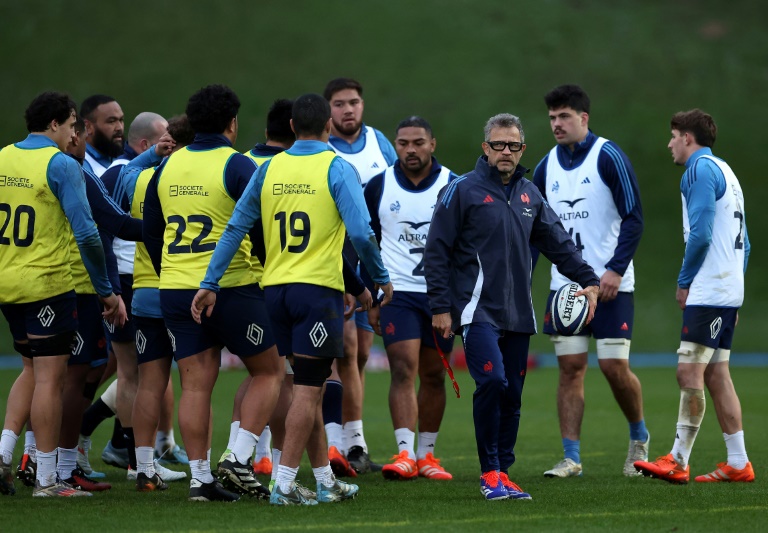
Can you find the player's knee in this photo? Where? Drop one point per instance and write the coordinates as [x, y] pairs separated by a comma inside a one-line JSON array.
[[690, 376], [402, 374], [311, 372], [60, 344]]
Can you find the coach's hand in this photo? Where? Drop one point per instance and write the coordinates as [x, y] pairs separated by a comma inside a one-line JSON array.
[[165, 145], [373, 319], [389, 290], [202, 300], [114, 310], [591, 294], [442, 323], [609, 286]]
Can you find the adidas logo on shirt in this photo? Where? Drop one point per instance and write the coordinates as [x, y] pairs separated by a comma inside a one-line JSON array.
[[585, 180], [488, 199]]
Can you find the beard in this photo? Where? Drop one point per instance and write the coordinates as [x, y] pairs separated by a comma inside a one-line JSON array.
[[106, 145], [347, 130], [416, 165]]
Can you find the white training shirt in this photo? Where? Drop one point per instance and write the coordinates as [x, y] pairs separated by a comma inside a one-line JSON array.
[[586, 208], [720, 280], [405, 216], [370, 160]]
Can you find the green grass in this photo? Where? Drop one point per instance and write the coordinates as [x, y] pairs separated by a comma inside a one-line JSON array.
[[601, 500]]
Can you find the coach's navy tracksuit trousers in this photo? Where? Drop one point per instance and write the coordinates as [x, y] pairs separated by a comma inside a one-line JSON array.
[[497, 361]]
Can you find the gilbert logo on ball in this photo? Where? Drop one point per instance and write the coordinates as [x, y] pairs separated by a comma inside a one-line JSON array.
[[569, 312]]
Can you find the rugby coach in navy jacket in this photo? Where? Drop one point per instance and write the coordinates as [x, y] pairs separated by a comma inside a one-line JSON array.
[[477, 263]]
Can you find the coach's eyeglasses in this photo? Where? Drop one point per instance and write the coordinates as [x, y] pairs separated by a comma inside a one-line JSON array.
[[498, 146]]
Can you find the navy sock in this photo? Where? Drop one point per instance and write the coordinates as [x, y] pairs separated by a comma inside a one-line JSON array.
[[334, 391], [130, 444], [638, 431], [96, 413], [572, 450], [118, 439]]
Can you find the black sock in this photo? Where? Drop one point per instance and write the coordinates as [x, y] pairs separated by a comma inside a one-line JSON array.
[[96, 413], [118, 439], [334, 391], [130, 443]]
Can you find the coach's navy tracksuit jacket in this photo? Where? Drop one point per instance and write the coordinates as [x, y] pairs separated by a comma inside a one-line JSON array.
[[478, 267]]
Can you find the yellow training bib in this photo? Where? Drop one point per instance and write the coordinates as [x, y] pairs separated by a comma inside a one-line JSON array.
[[34, 231], [303, 229], [197, 207]]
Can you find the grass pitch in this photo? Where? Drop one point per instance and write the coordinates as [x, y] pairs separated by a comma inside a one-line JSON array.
[[600, 500]]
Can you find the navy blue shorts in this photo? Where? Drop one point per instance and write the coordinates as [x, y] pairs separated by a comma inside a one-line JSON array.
[[127, 332], [307, 319], [90, 342], [709, 326], [239, 321], [612, 320], [407, 317], [152, 340], [48, 317]]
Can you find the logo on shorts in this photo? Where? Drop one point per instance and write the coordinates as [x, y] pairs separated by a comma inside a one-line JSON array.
[[172, 339], [318, 334], [624, 327], [141, 341], [255, 334], [78, 347], [488, 367], [390, 329], [46, 316], [714, 327], [110, 327]]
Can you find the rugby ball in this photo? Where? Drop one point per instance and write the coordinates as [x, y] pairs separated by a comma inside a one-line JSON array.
[[569, 312]]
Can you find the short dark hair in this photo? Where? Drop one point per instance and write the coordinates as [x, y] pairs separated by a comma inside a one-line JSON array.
[[698, 123], [79, 125], [90, 104], [339, 84], [47, 107], [180, 130], [212, 108], [571, 96], [279, 121], [310, 114], [414, 121]]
